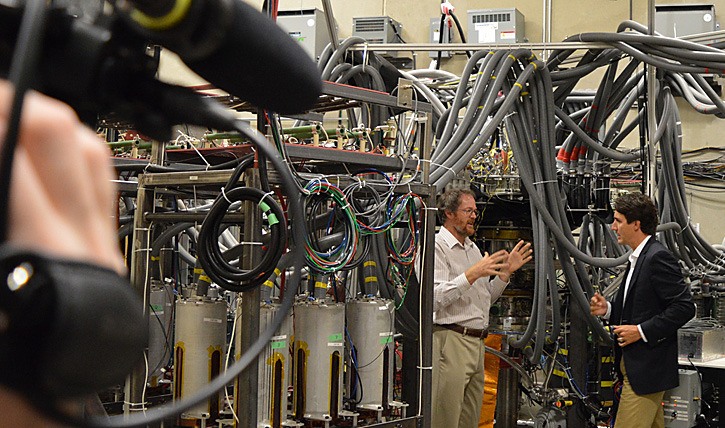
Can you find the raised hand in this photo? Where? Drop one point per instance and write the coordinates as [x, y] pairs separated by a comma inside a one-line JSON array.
[[598, 305], [490, 264], [519, 256]]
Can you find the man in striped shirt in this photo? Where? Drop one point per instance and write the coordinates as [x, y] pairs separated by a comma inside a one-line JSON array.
[[462, 297]]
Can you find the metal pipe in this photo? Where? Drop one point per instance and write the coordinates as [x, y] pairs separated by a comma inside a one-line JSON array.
[[460, 47], [651, 183]]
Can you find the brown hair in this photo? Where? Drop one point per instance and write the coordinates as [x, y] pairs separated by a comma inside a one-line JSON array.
[[636, 206], [450, 200]]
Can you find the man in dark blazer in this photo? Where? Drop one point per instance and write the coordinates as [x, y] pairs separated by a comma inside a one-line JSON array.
[[651, 304]]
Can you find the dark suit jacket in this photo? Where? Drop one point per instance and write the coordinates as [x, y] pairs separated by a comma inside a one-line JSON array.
[[661, 303]]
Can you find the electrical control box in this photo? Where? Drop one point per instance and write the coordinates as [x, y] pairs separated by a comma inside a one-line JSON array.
[[496, 26], [701, 344], [377, 29], [308, 27], [679, 20], [435, 37], [682, 404]]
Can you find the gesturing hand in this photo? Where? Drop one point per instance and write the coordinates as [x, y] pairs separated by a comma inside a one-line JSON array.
[[598, 305], [490, 264], [519, 256]]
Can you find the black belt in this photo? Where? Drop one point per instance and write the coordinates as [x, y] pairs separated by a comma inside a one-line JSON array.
[[466, 331]]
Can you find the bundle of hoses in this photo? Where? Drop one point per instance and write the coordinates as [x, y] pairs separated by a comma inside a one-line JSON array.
[[215, 265], [685, 241]]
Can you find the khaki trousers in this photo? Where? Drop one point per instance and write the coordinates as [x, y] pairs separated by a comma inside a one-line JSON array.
[[457, 386], [639, 411]]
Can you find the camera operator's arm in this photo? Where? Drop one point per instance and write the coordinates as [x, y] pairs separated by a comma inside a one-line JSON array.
[[62, 201]]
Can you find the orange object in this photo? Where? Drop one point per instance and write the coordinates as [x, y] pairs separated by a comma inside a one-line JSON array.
[[490, 388]]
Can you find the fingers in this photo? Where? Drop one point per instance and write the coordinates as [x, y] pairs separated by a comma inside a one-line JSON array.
[[597, 299], [496, 269], [496, 257], [61, 198]]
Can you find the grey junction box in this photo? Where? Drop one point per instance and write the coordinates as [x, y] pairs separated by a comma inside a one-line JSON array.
[[308, 27], [679, 20], [682, 404], [496, 26]]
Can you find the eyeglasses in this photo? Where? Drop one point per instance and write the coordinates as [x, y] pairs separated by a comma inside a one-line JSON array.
[[470, 211]]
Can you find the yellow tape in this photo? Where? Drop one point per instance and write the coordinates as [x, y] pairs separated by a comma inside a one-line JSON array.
[[204, 278], [607, 384], [155, 258], [519, 85], [173, 17], [320, 284], [198, 270], [563, 351], [277, 271], [369, 263], [269, 284], [559, 373], [609, 359], [371, 279]]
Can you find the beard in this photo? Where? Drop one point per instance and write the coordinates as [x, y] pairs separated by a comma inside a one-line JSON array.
[[466, 230]]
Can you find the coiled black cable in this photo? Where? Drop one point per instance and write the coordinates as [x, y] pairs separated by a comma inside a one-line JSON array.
[[211, 257]]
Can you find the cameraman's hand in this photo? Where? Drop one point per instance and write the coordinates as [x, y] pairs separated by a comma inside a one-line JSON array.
[[62, 201]]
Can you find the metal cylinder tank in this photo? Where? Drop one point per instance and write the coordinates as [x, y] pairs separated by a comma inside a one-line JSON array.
[[161, 299], [370, 324], [201, 328], [275, 370], [319, 349]]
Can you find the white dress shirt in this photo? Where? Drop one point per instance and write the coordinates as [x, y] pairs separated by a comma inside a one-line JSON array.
[[455, 301], [632, 263]]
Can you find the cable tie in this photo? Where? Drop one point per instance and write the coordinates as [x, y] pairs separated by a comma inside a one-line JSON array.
[[224, 194], [545, 181], [440, 165], [264, 196], [201, 156], [425, 368], [429, 208], [365, 56], [250, 243]]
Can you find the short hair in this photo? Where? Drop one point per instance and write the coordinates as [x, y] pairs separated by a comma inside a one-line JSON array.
[[450, 200], [636, 206]]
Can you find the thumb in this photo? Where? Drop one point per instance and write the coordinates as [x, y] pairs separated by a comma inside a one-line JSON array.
[[485, 254]]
